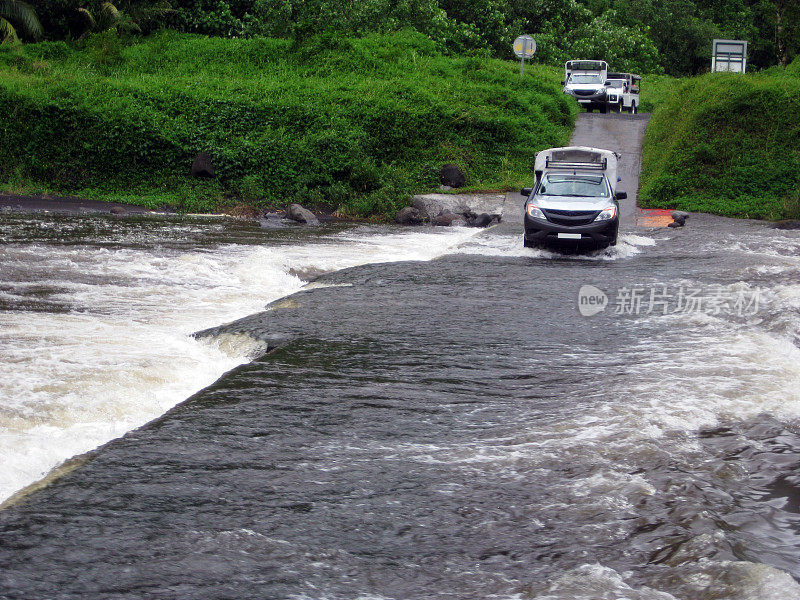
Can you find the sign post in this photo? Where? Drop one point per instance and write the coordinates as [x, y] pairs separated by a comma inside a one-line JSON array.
[[524, 47]]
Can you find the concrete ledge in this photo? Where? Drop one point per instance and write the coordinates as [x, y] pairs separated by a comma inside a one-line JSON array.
[[436, 204]]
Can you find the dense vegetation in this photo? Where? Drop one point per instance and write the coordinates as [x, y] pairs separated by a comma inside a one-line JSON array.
[[648, 36], [355, 124], [727, 144]]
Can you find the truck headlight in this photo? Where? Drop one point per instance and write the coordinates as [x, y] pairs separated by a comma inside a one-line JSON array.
[[535, 212], [607, 214]]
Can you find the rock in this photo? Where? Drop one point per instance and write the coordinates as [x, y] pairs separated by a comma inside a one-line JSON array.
[[445, 219], [409, 215], [117, 210], [787, 225], [676, 224], [295, 212], [452, 176], [680, 216], [445, 188], [202, 166], [458, 222], [271, 221], [482, 220]]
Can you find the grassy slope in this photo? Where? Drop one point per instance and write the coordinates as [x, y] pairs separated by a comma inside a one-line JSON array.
[[727, 144], [356, 124], [656, 89]]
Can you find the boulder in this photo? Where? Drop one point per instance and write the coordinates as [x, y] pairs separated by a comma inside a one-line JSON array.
[[295, 212], [458, 222], [452, 176], [203, 166], [482, 220], [676, 224], [445, 219], [409, 215], [680, 216], [271, 221]]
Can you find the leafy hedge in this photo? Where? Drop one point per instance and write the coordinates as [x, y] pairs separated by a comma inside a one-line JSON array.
[[727, 144], [355, 124]]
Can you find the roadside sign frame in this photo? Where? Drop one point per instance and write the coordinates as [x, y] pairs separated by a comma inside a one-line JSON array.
[[729, 56]]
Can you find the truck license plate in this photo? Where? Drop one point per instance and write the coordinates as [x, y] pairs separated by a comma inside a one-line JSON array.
[[584, 101], [569, 236]]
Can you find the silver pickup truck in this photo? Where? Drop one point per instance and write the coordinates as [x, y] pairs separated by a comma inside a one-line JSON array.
[[575, 198]]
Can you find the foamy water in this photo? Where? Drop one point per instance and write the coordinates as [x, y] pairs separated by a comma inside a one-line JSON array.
[[108, 344], [511, 246]]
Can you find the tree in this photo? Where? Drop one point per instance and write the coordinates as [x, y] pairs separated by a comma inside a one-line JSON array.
[[15, 14], [624, 48]]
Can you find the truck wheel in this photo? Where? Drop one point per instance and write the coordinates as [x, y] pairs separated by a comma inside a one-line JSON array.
[[613, 241], [633, 108], [604, 109]]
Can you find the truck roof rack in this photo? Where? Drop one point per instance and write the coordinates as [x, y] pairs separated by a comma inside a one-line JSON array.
[[576, 164]]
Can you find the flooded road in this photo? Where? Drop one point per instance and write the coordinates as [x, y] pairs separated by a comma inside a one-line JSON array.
[[393, 413], [447, 428]]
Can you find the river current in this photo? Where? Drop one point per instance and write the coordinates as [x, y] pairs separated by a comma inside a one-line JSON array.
[[445, 414]]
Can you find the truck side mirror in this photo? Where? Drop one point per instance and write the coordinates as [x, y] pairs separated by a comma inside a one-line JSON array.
[[526, 192], [635, 89], [621, 195]]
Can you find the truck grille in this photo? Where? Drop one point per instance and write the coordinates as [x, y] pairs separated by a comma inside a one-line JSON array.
[[585, 92], [570, 217]]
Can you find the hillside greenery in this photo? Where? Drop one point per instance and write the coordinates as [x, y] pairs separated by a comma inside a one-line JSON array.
[[727, 144], [645, 36], [354, 124]]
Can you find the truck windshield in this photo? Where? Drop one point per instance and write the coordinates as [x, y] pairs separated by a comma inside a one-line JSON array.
[[584, 79], [581, 186]]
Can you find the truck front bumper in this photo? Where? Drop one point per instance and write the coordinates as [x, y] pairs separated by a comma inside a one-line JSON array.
[[545, 233]]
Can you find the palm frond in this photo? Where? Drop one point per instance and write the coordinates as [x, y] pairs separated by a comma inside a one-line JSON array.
[[7, 32], [109, 16], [146, 13], [88, 19], [23, 15]]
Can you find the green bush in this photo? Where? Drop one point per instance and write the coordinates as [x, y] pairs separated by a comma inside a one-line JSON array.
[[358, 124], [726, 144]]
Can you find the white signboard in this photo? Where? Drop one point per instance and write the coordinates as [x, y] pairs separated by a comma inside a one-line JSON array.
[[729, 56]]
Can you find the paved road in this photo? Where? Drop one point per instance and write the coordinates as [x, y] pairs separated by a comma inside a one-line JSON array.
[[618, 132], [623, 134]]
